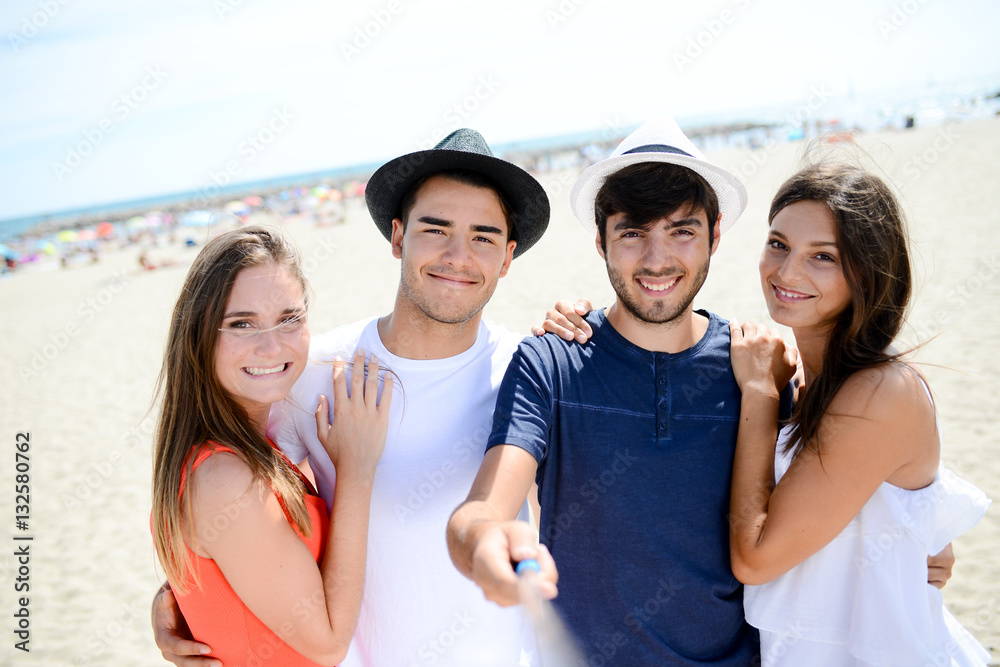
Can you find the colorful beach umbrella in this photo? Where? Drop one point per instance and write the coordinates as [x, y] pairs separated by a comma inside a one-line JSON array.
[[66, 236], [105, 229]]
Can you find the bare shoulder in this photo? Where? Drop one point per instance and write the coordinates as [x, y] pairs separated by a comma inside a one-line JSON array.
[[890, 405], [222, 478], [890, 392]]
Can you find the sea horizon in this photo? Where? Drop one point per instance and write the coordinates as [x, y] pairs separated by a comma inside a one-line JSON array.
[[927, 108]]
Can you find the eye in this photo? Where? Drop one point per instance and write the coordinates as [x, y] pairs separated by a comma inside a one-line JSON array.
[[775, 244], [684, 232], [824, 257], [240, 324], [484, 239]]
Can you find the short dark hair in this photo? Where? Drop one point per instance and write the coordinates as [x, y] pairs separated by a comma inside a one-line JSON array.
[[465, 177], [649, 191]]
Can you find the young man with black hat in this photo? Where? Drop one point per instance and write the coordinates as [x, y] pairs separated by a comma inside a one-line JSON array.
[[456, 217]]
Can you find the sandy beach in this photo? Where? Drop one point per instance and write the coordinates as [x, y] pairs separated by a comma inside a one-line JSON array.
[[82, 348]]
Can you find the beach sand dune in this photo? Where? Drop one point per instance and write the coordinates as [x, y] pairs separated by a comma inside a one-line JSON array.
[[82, 348]]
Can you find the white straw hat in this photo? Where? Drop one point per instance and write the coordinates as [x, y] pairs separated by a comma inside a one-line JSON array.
[[659, 140]]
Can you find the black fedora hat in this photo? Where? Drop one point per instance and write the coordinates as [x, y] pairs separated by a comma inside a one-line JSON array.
[[462, 149]]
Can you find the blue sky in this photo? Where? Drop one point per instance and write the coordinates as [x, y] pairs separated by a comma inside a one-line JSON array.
[[111, 100]]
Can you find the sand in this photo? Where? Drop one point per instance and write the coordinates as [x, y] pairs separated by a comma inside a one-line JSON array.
[[82, 349]]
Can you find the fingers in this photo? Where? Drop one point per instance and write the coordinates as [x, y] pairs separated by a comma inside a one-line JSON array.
[[166, 618], [357, 376], [387, 386], [548, 576], [189, 661], [371, 384], [323, 418], [566, 320], [939, 567], [339, 382]]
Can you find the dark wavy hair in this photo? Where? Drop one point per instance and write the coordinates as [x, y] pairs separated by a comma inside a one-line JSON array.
[[649, 191], [872, 237]]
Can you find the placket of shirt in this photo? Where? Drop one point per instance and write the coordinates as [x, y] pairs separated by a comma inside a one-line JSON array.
[[662, 384]]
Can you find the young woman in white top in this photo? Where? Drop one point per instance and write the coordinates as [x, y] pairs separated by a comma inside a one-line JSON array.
[[834, 516]]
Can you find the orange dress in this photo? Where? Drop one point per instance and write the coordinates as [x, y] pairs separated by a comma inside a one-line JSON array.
[[217, 616]]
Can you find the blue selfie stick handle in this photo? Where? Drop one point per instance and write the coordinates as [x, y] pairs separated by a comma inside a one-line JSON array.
[[527, 564]]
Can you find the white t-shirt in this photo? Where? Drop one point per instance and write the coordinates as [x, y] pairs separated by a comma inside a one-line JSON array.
[[417, 608]]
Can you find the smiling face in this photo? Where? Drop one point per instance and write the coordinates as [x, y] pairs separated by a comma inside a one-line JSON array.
[[264, 339], [801, 271], [454, 250], [657, 272]]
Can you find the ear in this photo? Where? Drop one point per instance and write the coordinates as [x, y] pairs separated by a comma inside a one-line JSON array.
[[716, 235], [397, 238], [600, 250], [507, 259]]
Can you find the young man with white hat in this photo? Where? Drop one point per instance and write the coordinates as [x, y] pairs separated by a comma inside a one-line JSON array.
[[456, 216], [631, 435]]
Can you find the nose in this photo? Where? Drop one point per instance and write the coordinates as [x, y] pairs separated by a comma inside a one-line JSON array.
[[657, 255], [267, 342], [791, 267], [458, 253]]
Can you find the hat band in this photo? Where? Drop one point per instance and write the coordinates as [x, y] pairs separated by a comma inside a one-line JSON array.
[[657, 148]]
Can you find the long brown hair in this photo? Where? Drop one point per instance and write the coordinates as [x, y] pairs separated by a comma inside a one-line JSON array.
[[196, 408], [872, 237]]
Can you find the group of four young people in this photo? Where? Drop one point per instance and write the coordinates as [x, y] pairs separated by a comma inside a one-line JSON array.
[[633, 459]]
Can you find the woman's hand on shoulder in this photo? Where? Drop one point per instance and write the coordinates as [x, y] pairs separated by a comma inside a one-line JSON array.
[[761, 359], [356, 437], [565, 320]]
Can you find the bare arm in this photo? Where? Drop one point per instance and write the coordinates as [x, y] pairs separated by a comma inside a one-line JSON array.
[[483, 537], [313, 609], [879, 427]]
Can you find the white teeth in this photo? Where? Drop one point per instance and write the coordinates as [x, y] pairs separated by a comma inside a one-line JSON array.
[[659, 288], [265, 371], [789, 294]]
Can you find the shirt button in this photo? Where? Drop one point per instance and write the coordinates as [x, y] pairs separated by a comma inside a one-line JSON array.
[[662, 404], [662, 381], [662, 426], [659, 360]]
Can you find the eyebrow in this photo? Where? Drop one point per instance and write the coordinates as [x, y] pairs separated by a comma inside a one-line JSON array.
[[440, 222], [251, 313], [832, 244], [691, 221]]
